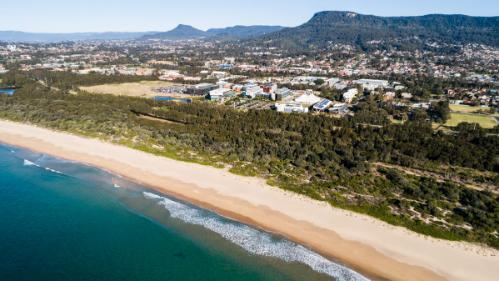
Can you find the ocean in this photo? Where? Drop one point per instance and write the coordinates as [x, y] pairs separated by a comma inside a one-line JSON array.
[[61, 220]]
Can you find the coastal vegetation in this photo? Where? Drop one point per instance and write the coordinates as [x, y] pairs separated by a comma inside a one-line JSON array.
[[362, 163]]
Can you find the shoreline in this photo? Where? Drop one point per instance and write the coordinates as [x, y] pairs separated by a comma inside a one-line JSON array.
[[367, 245]]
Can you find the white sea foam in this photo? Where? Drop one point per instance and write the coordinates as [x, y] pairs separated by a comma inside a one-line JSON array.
[[53, 171], [255, 241], [152, 196], [30, 163]]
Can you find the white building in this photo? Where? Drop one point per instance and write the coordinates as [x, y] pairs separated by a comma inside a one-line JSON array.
[[253, 91], [372, 84], [224, 84], [308, 98], [219, 93], [291, 107], [422, 105], [407, 96], [12, 48], [389, 96], [218, 74], [170, 75], [3, 70], [282, 94], [340, 85], [349, 95], [304, 80], [332, 81]]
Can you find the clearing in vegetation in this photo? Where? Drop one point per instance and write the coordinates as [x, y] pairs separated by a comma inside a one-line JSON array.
[[135, 89], [485, 121]]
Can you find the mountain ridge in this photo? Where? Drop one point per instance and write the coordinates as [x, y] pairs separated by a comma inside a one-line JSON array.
[[183, 32], [32, 37], [319, 32], [350, 27]]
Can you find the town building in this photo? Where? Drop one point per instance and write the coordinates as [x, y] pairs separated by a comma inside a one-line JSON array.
[[308, 98], [291, 108], [349, 95], [219, 94], [323, 105], [372, 84], [201, 89], [282, 93], [252, 91]]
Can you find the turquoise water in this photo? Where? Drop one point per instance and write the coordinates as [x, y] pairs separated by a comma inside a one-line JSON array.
[[9, 92], [164, 98], [61, 220]]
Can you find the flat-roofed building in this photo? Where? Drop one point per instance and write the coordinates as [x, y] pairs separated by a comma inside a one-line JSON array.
[[372, 84], [323, 105], [253, 91], [219, 94], [332, 81], [291, 108], [282, 93]]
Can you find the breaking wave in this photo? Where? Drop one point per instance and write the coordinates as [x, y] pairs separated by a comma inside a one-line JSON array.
[[30, 163], [53, 171], [255, 241]]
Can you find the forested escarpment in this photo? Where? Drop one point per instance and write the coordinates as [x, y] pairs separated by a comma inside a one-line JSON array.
[[335, 160], [401, 32]]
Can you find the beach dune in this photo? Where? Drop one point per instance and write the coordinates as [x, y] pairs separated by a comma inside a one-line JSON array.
[[372, 247]]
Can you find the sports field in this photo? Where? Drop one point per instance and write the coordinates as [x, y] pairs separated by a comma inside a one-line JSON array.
[[467, 109], [485, 121]]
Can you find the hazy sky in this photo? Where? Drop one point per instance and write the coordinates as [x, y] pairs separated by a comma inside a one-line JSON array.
[[159, 15]]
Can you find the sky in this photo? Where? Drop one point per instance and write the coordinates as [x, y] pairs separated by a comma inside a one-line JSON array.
[[161, 15]]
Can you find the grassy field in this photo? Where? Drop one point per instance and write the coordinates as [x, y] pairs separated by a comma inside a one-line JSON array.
[[396, 121], [483, 120], [467, 109], [136, 89]]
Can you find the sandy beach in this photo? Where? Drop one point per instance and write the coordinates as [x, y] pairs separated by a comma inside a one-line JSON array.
[[372, 247]]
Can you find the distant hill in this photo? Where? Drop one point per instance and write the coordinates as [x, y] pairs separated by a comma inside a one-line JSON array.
[[241, 31], [319, 32], [349, 27], [183, 32], [18, 36]]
